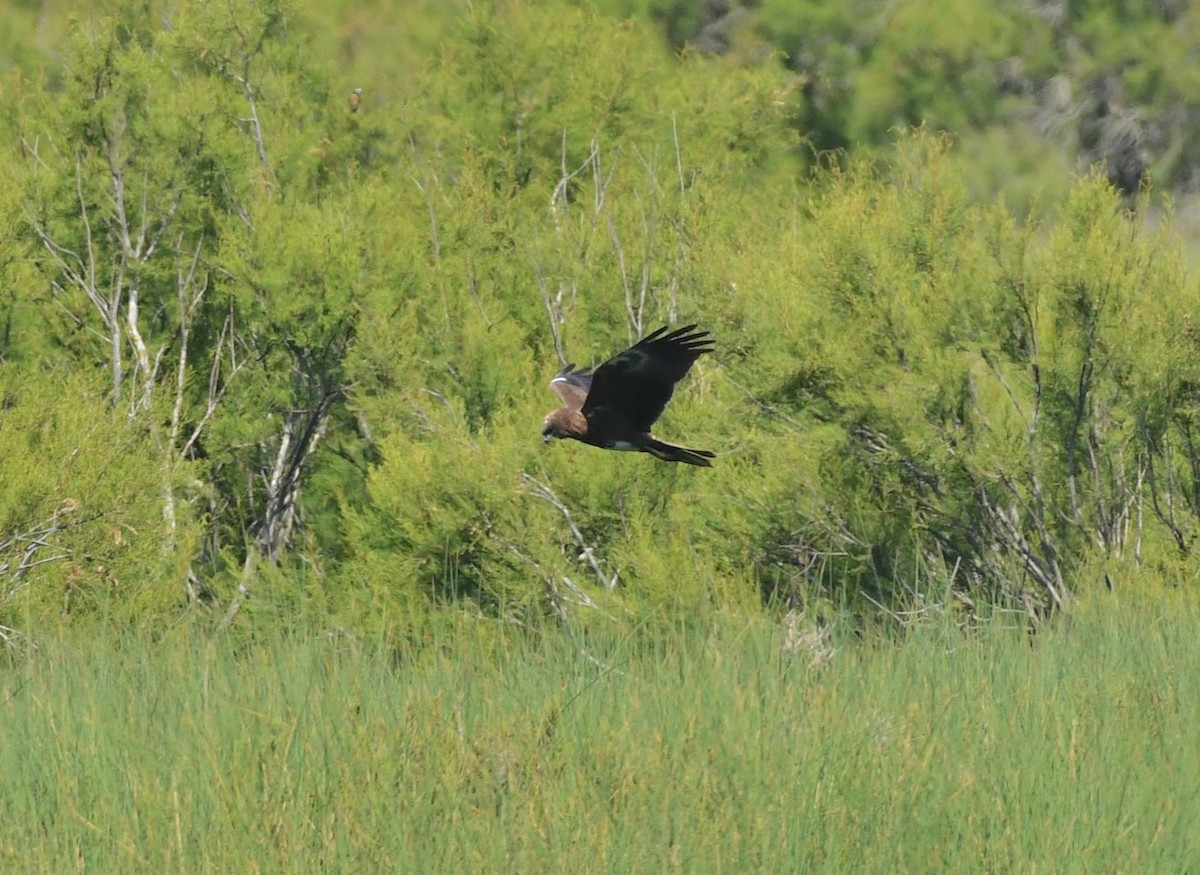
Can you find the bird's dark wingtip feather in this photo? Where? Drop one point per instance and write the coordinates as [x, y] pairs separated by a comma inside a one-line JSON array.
[[686, 336], [569, 370]]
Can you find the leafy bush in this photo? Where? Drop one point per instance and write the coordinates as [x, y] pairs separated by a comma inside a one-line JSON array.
[[83, 531], [316, 341]]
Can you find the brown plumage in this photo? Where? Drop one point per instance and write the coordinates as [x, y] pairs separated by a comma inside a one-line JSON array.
[[614, 406]]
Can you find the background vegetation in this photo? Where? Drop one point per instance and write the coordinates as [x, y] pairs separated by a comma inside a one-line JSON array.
[[289, 582], [255, 343], [696, 751]]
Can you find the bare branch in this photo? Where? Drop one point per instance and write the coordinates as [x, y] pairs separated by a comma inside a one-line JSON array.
[[433, 225], [678, 153], [559, 202], [545, 493]]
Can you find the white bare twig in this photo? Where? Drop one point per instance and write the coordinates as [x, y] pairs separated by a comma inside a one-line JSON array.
[[544, 492]]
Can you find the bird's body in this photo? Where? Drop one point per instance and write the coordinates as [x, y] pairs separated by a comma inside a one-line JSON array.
[[615, 406]]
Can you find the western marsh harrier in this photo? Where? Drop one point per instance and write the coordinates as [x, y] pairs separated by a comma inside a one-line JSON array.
[[614, 406]]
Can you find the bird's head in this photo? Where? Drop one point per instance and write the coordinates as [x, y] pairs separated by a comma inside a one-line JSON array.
[[564, 423]]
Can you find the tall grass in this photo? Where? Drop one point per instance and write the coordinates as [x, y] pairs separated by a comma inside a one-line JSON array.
[[712, 751]]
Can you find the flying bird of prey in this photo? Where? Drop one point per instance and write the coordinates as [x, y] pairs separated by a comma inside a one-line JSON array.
[[614, 406]]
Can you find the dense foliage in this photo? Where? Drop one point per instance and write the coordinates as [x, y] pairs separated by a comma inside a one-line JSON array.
[[1027, 87], [254, 341]]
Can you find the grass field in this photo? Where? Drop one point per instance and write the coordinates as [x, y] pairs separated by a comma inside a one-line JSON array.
[[714, 751]]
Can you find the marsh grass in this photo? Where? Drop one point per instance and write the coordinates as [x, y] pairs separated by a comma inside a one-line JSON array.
[[712, 751]]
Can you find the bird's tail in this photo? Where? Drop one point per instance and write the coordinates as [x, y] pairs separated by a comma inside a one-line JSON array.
[[674, 453]]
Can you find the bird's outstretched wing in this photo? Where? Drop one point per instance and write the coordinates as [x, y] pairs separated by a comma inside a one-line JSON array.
[[639, 382], [572, 385]]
